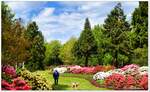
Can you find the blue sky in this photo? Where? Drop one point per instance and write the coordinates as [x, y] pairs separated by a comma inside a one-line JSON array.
[[62, 20]]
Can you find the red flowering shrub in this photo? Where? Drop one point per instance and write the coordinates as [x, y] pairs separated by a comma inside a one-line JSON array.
[[98, 68], [119, 81], [115, 81], [17, 84], [130, 82], [144, 82]]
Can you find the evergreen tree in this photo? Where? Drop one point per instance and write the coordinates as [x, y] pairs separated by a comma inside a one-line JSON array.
[[139, 36], [37, 48], [115, 27], [140, 24], [86, 44]]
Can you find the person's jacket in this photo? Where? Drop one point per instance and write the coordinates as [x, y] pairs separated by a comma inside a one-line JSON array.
[[56, 74]]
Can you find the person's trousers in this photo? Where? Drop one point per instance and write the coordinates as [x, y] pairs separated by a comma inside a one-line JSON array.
[[56, 81]]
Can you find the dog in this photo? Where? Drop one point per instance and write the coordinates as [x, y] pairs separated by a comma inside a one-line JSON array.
[[75, 85]]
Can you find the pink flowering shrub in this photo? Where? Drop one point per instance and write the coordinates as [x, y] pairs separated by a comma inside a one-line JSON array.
[[17, 84], [88, 70], [131, 66], [9, 70]]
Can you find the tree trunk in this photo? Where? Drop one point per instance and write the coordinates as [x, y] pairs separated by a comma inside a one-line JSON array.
[[116, 62], [86, 61]]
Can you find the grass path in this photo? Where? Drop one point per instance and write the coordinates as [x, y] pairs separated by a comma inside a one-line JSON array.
[[65, 82]]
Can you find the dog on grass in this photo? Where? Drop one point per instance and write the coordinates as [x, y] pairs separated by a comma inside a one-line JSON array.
[[75, 85]]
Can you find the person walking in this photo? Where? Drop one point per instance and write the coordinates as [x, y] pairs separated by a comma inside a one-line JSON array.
[[56, 76]]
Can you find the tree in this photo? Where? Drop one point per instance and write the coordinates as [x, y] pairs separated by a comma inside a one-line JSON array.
[[115, 27], [86, 44], [52, 53], [66, 52], [103, 43], [140, 24], [14, 43], [37, 48], [139, 35]]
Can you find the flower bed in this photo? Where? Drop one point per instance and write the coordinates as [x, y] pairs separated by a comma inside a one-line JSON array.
[[128, 77], [88, 70]]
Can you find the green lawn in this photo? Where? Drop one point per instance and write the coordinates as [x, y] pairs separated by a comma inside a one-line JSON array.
[[65, 81]]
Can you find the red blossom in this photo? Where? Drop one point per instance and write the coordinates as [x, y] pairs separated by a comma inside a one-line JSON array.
[[144, 82]]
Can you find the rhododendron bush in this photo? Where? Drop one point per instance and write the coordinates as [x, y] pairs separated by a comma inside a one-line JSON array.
[[10, 80], [9, 70], [88, 70], [128, 77], [119, 81], [17, 84]]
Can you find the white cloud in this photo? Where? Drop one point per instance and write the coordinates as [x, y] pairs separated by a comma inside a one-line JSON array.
[[47, 11], [23, 9], [65, 25], [70, 21]]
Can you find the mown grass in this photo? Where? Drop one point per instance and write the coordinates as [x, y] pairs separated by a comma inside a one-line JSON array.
[[66, 80]]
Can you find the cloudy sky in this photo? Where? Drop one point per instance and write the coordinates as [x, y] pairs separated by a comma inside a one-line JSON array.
[[61, 20]]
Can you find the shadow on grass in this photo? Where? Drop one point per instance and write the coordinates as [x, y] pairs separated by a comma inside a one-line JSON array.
[[59, 87]]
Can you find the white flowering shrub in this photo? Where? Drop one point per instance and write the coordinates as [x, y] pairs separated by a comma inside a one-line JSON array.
[[100, 75], [61, 69], [143, 70]]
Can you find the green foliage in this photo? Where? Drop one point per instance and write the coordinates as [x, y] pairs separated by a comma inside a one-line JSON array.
[[122, 59], [140, 34], [35, 80], [100, 81], [86, 44], [6, 77], [14, 42], [66, 51], [140, 56], [140, 24], [93, 60], [103, 43], [52, 53], [37, 48], [107, 59], [115, 27]]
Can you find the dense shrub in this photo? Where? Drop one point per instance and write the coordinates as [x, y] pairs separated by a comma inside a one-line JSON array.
[[9, 70], [17, 84], [11, 81], [144, 81], [119, 81], [36, 81], [88, 70], [115, 81]]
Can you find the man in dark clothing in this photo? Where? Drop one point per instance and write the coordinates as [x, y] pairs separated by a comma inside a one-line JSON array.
[[56, 76]]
